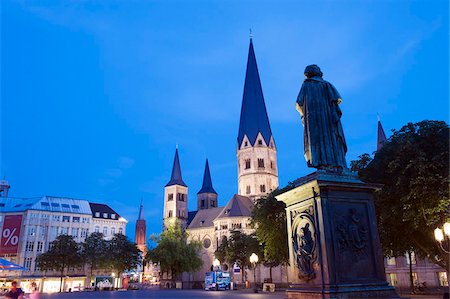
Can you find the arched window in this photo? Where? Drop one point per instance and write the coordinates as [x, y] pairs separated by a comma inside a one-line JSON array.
[[170, 213]]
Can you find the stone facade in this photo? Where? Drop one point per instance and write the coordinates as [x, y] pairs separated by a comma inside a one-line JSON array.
[[257, 168]]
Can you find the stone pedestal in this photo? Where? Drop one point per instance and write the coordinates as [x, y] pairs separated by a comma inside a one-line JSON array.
[[334, 249]]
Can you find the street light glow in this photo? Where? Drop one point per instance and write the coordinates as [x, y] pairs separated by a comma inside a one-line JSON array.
[[447, 229], [216, 263], [438, 235], [253, 258]]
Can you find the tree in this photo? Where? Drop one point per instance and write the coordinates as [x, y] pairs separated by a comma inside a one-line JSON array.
[[94, 251], [413, 166], [122, 254], [62, 254], [173, 252], [237, 249], [269, 221]]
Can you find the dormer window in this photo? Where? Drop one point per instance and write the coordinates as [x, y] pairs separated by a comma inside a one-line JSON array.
[[113, 216], [247, 163], [97, 214], [260, 142], [105, 215]]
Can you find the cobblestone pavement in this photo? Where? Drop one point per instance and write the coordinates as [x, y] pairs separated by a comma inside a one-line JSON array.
[[167, 294]]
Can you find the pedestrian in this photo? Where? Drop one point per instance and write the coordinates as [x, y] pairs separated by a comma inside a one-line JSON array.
[[14, 292], [34, 291]]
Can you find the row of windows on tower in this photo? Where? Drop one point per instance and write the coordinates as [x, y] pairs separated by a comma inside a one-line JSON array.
[[262, 189], [248, 164], [203, 202], [181, 214], [180, 197], [260, 142]]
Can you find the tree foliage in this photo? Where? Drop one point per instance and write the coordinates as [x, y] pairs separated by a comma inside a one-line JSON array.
[[62, 254], [269, 221], [122, 254], [95, 252], [413, 167], [238, 248], [174, 253]]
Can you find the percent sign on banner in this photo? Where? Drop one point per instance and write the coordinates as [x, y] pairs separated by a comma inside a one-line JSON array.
[[10, 234]]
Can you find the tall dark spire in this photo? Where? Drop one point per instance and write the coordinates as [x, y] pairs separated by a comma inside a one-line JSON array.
[[207, 186], [254, 117], [141, 212], [176, 178], [381, 138]]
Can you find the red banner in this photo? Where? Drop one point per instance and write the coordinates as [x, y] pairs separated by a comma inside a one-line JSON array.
[[10, 234]]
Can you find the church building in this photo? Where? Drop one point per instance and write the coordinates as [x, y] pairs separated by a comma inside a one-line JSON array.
[[257, 176]]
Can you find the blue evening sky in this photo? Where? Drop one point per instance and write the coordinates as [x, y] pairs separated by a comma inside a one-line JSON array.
[[95, 95]]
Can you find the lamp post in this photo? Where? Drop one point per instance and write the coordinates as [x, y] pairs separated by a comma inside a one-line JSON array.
[[114, 280], [254, 261], [216, 265], [439, 236]]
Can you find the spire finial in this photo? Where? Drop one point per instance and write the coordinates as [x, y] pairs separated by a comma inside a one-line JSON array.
[[251, 34], [378, 116]]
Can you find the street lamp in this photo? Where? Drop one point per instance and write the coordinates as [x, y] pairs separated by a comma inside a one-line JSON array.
[[114, 279], [254, 260], [439, 236], [216, 265]]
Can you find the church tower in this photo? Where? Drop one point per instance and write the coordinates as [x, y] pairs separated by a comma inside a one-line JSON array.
[[381, 137], [175, 196], [207, 196], [141, 230], [256, 151]]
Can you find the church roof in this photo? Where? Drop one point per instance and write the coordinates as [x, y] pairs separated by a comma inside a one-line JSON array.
[[141, 212], [207, 186], [191, 216], [254, 117], [204, 218], [237, 206], [176, 178], [381, 138]]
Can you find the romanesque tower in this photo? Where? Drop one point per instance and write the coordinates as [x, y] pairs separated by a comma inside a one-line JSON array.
[[141, 229], [175, 196], [207, 196], [256, 151]]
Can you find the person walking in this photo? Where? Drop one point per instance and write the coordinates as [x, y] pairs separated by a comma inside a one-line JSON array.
[[14, 292]]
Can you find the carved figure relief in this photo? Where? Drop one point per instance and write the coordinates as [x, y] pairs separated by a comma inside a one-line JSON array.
[[304, 243], [352, 234]]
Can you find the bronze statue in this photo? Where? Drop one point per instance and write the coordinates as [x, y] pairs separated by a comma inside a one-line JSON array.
[[317, 103]]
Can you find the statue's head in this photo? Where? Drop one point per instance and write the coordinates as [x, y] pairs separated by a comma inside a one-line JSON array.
[[313, 71]]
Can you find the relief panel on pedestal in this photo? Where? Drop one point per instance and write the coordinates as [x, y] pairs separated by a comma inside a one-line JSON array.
[[353, 249], [304, 242]]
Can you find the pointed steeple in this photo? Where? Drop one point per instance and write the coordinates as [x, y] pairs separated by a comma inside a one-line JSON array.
[[254, 117], [207, 186], [381, 138], [141, 212], [176, 178]]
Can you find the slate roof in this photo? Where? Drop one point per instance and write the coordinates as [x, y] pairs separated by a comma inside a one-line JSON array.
[[207, 186], [204, 218], [381, 138], [176, 178], [45, 203], [141, 212], [191, 216], [254, 117], [102, 208], [237, 206]]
